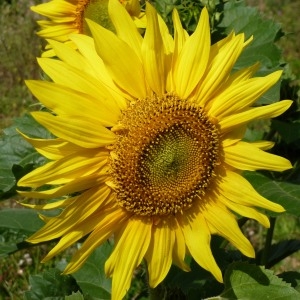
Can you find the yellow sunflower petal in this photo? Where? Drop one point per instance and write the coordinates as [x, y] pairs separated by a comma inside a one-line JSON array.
[[237, 97], [268, 111], [245, 156], [225, 225], [77, 185], [153, 53], [196, 232], [66, 169], [236, 188], [106, 223], [130, 249], [54, 9], [52, 149], [220, 68], [162, 242], [78, 131], [48, 206], [70, 56], [97, 68], [125, 27], [57, 32], [73, 101], [81, 207], [121, 61], [192, 60], [246, 211], [179, 249]]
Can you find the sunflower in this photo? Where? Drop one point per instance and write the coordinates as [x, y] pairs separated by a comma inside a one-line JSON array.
[[148, 146], [66, 17]]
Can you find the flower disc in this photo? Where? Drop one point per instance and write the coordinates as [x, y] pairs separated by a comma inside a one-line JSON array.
[[165, 156]]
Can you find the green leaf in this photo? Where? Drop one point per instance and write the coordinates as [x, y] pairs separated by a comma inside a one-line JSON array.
[[91, 278], [293, 278], [15, 226], [246, 281], [245, 19], [279, 251], [50, 285], [75, 296], [20, 219], [15, 151], [283, 193]]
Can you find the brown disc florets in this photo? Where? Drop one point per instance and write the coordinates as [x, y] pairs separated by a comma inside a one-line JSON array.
[[164, 157]]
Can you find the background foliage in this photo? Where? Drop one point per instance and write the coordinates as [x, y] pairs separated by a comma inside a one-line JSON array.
[[22, 275]]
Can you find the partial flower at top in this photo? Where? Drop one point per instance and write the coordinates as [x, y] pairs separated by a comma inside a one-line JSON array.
[[66, 17], [148, 146]]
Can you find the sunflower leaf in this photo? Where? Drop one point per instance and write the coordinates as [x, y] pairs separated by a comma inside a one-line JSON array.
[[18, 156], [246, 281], [15, 226], [91, 278], [75, 296], [284, 193], [244, 19], [50, 285], [293, 278]]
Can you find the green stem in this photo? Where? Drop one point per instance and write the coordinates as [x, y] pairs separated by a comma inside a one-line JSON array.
[[269, 238]]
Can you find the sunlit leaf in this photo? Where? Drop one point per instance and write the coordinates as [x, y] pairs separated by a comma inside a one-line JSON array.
[[283, 193], [246, 281]]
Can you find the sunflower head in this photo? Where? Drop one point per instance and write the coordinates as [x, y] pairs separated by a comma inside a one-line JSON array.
[[149, 144]]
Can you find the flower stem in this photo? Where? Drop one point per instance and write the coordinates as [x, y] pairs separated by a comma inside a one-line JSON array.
[[269, 238]]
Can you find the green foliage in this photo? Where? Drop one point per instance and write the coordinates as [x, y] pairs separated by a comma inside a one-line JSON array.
[[246, 281], [18, 157], [284, 193], [50, 285], [20, 222]]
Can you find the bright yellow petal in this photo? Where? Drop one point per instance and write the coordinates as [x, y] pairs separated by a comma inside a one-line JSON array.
[[104, 224], [66, 169], [121, 61], [192, 60], [129, 253], [55, 9], [81, 207], [224, 224], [52, 149], [246, 211], [197, 237], [269, 111], [76, 185], [153, 53], [236, 188], [97, 68], [63, 100], [244, 94], [245, 156], [159, 254], [220, 68], [125, 27], [179, 249], [58, 32], [83, 132]]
